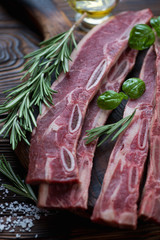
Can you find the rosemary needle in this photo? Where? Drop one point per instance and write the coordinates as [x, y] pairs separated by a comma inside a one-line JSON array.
[[52, 57], [109, 130], [20, 187]]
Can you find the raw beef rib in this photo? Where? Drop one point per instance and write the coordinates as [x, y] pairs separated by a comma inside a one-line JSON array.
[[150, 203], [76, 195], [53, 145], [117, 203]]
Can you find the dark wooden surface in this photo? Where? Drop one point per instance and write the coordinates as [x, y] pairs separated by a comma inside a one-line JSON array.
[[20, 31]]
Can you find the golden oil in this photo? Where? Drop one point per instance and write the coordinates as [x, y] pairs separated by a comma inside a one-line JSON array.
[[93, 8]]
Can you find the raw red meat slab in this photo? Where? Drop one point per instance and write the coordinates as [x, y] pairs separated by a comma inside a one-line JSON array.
[[53, 144], [76, 195], [150, 203], [117, 203]]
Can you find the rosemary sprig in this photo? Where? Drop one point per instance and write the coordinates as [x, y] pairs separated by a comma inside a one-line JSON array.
[[53, 57], [109, 129], [20, 187]]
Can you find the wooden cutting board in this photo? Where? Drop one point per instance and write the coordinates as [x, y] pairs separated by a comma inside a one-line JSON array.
[[50, 22]]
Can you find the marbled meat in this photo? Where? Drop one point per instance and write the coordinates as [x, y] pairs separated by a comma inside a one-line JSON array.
[[76, 195], [53, 145], [117, 202], [150, 203]]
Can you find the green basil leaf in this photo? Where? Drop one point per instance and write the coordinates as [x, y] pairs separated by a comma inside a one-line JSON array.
[[141, 37], [110, 99], [134, 87], [155, 23]]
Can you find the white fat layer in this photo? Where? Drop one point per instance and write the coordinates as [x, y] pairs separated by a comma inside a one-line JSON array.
[[108, 215], [128, 111], [44, 110], [128, 218], [115, 193], [69, 169], [79, 120], [100, 118], [43, 192], [34, 132], [48, 168], [101, 68], [145, 138], [114, 76], [108, 176], [131, 185], [52, 127]]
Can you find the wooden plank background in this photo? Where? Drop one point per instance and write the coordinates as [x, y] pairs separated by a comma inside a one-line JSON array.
[[19, 36]]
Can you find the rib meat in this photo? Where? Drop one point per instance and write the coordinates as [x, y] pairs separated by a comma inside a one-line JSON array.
[[53, 144], [117, 203], [150, 203], [76, 195]]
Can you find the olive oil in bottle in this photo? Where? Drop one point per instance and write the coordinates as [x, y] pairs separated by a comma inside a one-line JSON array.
[[97, 10]]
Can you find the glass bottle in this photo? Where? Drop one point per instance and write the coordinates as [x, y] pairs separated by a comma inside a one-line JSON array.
[[97, 10]]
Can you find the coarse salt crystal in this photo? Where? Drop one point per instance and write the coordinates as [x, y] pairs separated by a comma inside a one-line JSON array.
[[18, 235], [22, 223], [2, 226]]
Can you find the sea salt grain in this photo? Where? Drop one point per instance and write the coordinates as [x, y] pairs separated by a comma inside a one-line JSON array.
[[2, 226], [30, 211], [20, 223], [18, 235]]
